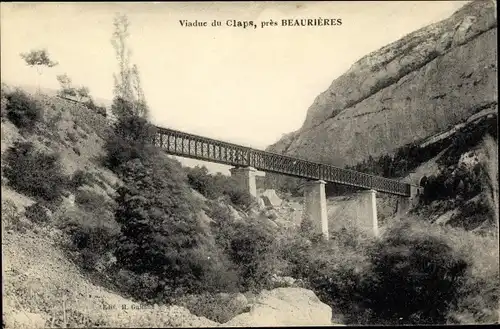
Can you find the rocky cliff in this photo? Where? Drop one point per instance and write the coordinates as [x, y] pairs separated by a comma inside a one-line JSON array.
[[420, 85]]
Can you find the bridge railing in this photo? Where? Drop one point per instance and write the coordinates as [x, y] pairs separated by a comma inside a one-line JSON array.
[[202, 148]]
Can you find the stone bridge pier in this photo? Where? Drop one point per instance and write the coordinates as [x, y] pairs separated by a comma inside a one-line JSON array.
[[367, 212], [405, 203], [245, 176], [315, 211]]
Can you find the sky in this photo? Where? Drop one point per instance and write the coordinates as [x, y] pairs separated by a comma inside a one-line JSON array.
[[247, 86]]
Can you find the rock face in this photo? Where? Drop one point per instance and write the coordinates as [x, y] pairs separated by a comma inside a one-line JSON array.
[[284, 307], [408, 90]]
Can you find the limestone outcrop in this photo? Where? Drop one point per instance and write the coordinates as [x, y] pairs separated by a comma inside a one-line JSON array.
[[270, 198], [420, 85], [284, 307]]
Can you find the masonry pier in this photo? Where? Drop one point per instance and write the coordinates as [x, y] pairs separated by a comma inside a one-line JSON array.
[[245, 176], [405, 202], [315, 207], [368, 211]]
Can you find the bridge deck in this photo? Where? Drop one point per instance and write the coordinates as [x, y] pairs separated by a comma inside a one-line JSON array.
[[202, 148]]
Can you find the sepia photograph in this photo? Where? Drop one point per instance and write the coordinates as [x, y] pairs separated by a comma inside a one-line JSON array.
[[249, 164]]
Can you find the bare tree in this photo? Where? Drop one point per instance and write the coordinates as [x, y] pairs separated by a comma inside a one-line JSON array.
[[38, 58]]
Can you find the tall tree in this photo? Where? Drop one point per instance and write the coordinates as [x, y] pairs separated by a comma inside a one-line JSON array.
[[129, 97], [38, 58]]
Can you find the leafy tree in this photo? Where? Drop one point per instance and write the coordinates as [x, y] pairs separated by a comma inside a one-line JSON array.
[[133, 134], [160, 229], [38, 58], [129, 96], [66, 85], [83, 92], [131, 140]]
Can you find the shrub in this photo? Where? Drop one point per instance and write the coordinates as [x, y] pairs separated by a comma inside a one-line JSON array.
[[413, 278], [332, 269], [250, 250], [80, 178], [34, 173], [3, 106], [215, 186], [238, 194], [220, 307], [93, 233], [101, 110], [90, 200], [203, 182], [22, 110], [11, 219], [132, 139], [72, 137], [161, 234], [37, 213], [77, 151]]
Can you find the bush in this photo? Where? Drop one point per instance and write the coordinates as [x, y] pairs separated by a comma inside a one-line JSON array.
[[72, 137], [132, 139], [34, 173], [215, 186], [203, 182], [92, 233], [219, 308], [91, 201], [11, 218], [3, 106], [413, 278], [238, 194], [161, 234], [249, 248], [22, 110], [332, 269], [98, 109], [37, 213], [80, 178]]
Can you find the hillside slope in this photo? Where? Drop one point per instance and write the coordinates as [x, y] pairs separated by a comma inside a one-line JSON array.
[[49, 282], [411, 89]]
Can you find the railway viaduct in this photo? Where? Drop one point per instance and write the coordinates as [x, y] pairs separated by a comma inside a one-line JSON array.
[[246, 161]]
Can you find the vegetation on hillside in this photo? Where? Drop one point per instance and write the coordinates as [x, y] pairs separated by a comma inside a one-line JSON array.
[[219, 186], [166, 251]]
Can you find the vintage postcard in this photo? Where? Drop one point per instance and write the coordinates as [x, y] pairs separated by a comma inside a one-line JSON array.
[[220, 164]]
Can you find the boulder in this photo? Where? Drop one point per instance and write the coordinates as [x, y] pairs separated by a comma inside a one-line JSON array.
[[271, 199], [284, 307]]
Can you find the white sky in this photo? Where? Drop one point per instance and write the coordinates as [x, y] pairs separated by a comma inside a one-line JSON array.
[[246, 86]]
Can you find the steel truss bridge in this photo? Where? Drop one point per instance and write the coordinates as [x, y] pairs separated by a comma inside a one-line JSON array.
[[202, 148]]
